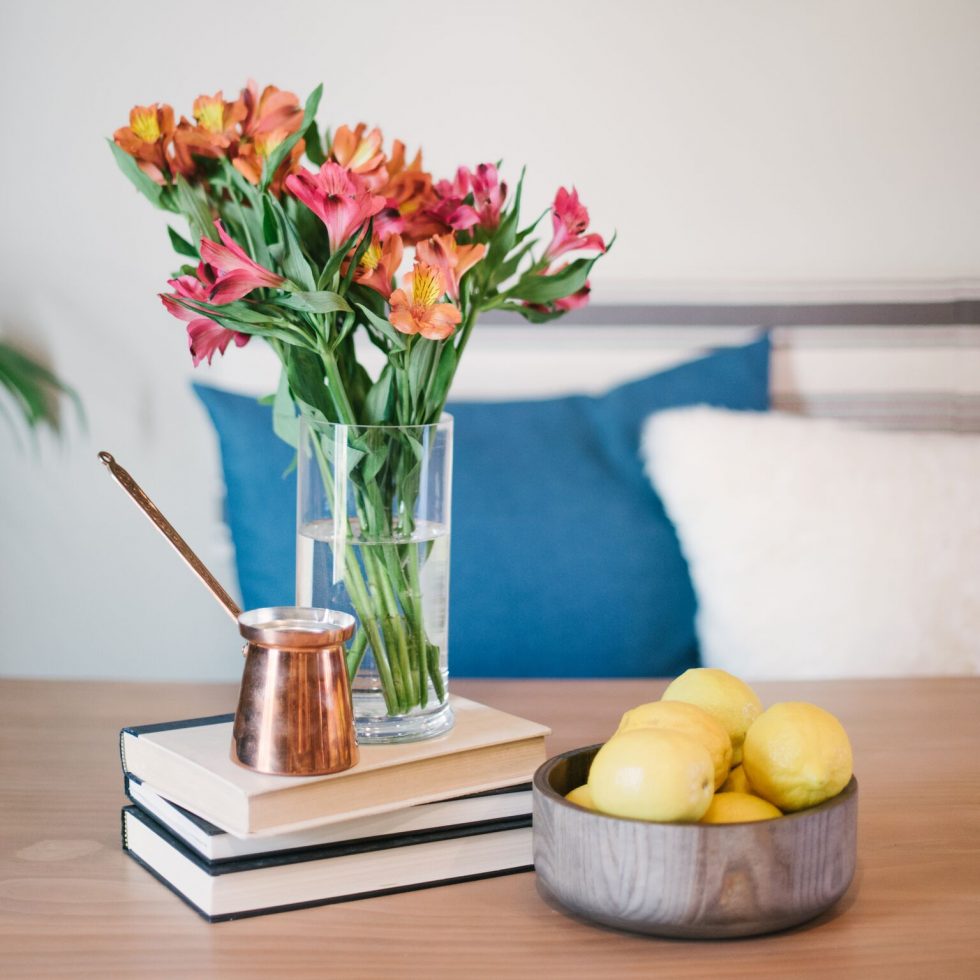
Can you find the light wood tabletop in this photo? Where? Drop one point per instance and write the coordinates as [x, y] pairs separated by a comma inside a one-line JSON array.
[[72, 904]]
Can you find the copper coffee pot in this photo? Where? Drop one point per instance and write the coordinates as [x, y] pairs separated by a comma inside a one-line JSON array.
[[294, 714]]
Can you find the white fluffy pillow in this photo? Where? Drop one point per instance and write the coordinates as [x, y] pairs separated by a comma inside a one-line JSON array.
[[819, 550]]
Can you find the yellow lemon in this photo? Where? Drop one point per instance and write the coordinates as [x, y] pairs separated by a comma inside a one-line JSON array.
[[738, 808], [797, 755], [581, 796], [737, 782], [652, 774], [679, 716], [721, 694]]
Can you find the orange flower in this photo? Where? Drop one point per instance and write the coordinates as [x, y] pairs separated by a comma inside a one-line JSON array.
[[268, 119], [408, 193], [419, 310], [361, 154], [379, 263], [272, 110], [450, 258], [252, 154], [150, 130], [213, 133]]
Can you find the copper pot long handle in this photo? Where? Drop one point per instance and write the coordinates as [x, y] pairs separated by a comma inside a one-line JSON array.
[[170, 533]]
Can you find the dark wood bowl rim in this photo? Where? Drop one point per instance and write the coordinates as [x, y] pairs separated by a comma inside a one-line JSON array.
[[542, 785]]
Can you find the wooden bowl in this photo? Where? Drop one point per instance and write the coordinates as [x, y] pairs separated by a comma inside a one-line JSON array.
[[699, 881]]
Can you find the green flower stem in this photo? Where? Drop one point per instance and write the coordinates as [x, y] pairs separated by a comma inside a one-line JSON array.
[[356, 651], [361, 600], [373, 626], [413, 594], [434, 672]]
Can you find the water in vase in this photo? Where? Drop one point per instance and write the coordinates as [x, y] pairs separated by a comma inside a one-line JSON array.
[[398, 588]]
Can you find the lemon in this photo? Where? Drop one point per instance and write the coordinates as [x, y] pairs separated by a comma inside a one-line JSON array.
[[797, 755], [689, 719], [721, 694], [738, 808], [737, 782], [652, 774], [581, 796]]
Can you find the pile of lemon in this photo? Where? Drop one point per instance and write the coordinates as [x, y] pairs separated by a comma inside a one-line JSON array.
[[707, 752]]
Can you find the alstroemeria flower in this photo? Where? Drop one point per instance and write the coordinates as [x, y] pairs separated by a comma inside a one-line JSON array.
[[417, 307], [408, 194], [253, 153], [204, 336], [360, 154], [237, 275], [452, 260], [150, 130], [272, 110], [449, 207], [339, 198], [379, 263], [488, 195], [570, 219], [213, 132]]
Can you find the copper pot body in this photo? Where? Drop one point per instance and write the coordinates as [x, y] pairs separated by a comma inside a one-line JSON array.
[[294, 715]]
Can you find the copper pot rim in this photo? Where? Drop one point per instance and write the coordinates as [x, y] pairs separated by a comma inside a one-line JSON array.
[[296, 627]]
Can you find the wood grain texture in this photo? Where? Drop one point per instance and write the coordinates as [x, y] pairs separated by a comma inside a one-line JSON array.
[[684, 880], [71, 904]]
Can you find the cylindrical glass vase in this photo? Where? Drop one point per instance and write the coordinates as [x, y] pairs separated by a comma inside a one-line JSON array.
[[373, 522]]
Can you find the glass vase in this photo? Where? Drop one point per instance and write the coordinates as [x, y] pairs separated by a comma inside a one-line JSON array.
[[373, 522]]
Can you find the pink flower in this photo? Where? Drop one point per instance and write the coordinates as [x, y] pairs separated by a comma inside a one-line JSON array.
[[448, 208], [237, 275], [340, 199], [488, 194], [569, 219], [204, 336]]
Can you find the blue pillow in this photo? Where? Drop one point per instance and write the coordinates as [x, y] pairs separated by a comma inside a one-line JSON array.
[[564, 563]]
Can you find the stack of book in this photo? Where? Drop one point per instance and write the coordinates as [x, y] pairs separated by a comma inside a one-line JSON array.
[[232, 842]]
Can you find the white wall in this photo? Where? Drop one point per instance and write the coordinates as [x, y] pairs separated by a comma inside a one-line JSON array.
[[740, 148]]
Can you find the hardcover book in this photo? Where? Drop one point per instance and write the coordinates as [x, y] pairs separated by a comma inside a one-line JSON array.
[[332, 873], [215, 845], [189, 763]]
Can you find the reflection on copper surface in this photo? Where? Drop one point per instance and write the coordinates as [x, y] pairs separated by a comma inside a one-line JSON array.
[[294, 714]]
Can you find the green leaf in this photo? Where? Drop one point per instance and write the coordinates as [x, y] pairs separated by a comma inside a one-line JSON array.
[[322, 301], [195, 208], [336, 259], [181, 245], [34, 388], [292, 260], [534, 288], [304, 371], [271, 163], [380, 400], [148, 187], [381, 326], [445, 371], [285, 421], [510, 267], [420, 361], [532, 314], [314, 148]]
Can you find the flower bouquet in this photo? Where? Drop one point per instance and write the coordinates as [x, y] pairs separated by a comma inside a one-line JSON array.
[[308, 258]]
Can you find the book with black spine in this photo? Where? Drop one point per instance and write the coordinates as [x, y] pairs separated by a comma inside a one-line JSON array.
[[215, 845], [338, 872]]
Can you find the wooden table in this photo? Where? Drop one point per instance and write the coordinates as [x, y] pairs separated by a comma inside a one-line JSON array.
[[72, 904]]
